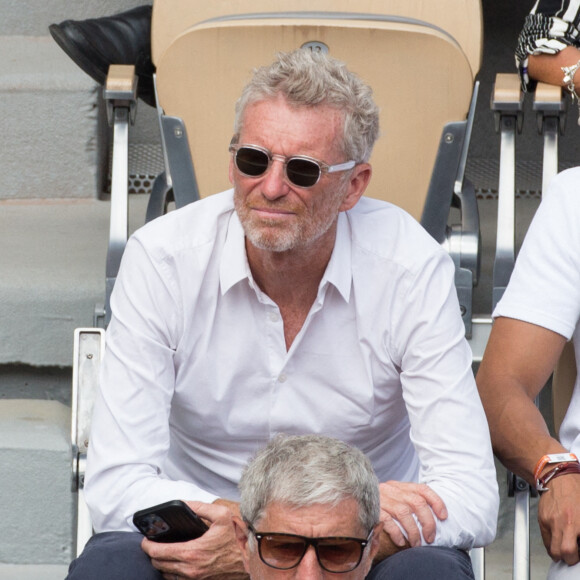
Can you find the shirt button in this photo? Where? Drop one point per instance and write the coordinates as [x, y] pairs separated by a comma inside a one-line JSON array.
[[273, 316], [282, 378]]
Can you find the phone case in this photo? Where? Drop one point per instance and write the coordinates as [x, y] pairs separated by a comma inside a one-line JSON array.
[[173, 521]]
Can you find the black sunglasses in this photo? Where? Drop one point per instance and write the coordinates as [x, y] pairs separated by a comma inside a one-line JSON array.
[[300, 170], [334, 554]]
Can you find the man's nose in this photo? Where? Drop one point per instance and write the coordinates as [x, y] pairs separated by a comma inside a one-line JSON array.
[[309, 568], [274, 184]]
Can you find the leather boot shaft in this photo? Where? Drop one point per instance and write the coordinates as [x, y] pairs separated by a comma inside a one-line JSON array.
[[96, 43]]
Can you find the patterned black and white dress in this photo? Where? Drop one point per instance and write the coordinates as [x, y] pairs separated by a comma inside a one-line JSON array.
[[551, 26]]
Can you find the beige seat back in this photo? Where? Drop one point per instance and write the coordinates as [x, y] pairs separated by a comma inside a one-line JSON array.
[[563, 382], [421, 77], [461, 19]]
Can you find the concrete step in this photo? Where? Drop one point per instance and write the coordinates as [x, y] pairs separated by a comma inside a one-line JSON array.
[[32, 572], [52, 273], [48, 122], [37, 515], [32, 17]]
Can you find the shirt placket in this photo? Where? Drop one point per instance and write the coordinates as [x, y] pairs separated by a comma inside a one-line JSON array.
[[282, 361]]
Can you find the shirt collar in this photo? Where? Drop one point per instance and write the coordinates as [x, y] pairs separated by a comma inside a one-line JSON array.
[[234, 265], [339, 269]]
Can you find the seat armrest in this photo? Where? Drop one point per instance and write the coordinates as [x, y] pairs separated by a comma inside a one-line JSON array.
[[89, 346], [121, 89], [507, 105], [120, 94]]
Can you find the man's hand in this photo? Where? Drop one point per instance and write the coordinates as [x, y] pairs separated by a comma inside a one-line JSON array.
[[399, 501], [559, 517], [215, 555]]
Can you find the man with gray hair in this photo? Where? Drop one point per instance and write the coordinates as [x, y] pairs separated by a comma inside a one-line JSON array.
[[288, 304], [308, 491]]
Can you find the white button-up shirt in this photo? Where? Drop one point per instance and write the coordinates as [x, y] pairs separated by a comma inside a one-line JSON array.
[[197, 377]]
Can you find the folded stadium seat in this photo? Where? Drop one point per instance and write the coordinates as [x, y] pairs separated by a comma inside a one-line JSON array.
[[420, 57]]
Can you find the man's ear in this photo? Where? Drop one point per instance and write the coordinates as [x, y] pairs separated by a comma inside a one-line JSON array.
[[358, 180], [231, 170], [241, 531]]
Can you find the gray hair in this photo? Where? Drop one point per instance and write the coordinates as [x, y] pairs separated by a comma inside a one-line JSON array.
[[309, 469], [307, 79]]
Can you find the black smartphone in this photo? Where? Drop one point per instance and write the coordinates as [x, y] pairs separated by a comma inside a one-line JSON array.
[[173, 521]]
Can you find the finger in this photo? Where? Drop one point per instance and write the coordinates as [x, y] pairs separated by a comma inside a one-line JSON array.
[[233, 506], [405, 500], [396, 511], [211, 512], [433, 500], [400, 490], [569, 546], [546, 538], [404, 515], [393, 530], [555, 545], [417, 506], [163, 552], [172, 575], [426, 519], [168, 569]]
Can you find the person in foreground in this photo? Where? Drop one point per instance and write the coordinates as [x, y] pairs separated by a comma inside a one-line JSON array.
[[310, 508], [290, 304], [538, 313]]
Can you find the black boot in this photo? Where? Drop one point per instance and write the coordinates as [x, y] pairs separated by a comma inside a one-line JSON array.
[[124, 38]]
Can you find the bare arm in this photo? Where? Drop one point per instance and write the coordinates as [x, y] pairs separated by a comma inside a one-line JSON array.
[[547, 68], [518, 361]]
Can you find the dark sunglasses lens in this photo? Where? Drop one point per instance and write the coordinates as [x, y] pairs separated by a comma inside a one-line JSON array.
[[339, 555], [335, 555], [282, 551], [302, 172], [251, 161]]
